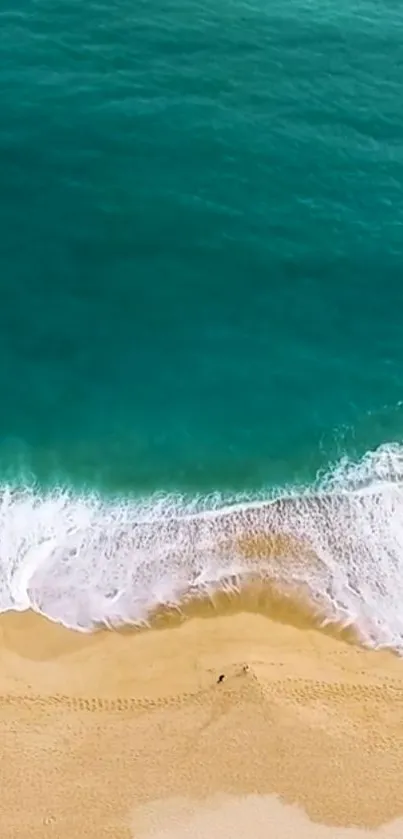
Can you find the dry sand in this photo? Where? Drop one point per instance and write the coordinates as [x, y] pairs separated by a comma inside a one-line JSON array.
[[131, 735]]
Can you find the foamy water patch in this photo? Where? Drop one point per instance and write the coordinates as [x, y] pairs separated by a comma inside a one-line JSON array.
[[86, 561]]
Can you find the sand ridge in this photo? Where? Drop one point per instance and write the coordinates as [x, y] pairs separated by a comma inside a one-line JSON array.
[[102, 726]]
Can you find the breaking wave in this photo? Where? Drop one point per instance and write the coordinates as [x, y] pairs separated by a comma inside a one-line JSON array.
[[85, 561]]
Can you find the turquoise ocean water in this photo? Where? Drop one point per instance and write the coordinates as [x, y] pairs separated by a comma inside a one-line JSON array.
[[201, 286]]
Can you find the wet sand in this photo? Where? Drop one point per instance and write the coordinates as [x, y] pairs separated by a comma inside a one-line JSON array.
[[134, 734]]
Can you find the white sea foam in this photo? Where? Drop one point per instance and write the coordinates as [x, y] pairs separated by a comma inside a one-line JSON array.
[[85, 560]]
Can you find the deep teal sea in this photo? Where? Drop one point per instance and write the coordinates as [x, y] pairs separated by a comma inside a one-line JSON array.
[[201, 299], [201, 222]]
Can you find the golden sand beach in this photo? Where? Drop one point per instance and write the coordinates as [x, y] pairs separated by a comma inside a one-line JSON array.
[[134, 734]]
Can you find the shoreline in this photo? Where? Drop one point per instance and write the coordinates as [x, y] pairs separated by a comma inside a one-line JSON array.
[[128, 722], [317, 552], [285, 604]]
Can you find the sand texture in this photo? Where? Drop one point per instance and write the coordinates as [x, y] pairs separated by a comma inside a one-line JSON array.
[[133, 734]]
